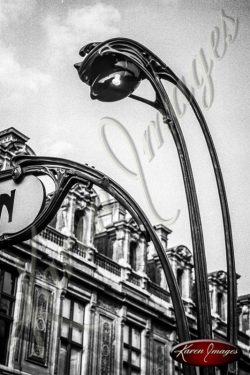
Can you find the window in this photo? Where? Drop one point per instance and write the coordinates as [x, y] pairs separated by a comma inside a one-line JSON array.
[[132, 255], [7, 300], [78, 224], [105, 243], [179, 279], [245, 319], [131, 350], [220, 308], [53, 222], [71, 338], [211, 297]]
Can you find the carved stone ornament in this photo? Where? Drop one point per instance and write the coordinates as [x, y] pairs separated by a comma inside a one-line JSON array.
[[184, 253], [159, 359], [105, 362], [108, 305], [49, 274], [38, 349]]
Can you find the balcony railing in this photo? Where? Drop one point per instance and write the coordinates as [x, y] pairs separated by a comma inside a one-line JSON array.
[[134, 279], [80, 250], [107, 264], [104, 262], [53, 235], [158, 291]]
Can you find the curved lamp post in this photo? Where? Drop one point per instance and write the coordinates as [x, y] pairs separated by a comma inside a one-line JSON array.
[[113, 69]]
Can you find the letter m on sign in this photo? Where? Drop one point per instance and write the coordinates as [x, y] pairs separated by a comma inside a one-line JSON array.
[[7, 201]]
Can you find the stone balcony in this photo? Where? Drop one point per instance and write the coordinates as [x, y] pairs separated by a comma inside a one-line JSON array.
[[63, 249]]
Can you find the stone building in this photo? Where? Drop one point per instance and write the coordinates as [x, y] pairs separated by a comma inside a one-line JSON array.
[[88, 295]]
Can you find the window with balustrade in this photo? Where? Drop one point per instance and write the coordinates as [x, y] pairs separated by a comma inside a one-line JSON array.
[[71, 343], [131, 350], [7, 300]]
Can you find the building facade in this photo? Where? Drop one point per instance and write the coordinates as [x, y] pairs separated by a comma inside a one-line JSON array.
[[88, 295]]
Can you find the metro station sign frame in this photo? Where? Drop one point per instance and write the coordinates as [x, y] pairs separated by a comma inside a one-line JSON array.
[[66, 174]]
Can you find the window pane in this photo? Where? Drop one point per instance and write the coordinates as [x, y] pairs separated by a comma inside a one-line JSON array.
[[135, 359], [62, 359], [75, 362], [135, 372], [126, 334], [65, 329], [4, 332], [66, 308], [136, 338], [77, 335], [78, 313], [125, 354], [8, 283], [125, 371], [5, 306]]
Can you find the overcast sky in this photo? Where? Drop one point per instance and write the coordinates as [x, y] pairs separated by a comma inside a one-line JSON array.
[[42, 96]]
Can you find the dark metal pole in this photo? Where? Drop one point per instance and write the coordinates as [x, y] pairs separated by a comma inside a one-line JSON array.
[[232, 323], [152, 67]]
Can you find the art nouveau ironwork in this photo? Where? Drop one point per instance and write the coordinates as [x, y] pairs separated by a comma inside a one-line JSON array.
[[113, 69], [65, 175]]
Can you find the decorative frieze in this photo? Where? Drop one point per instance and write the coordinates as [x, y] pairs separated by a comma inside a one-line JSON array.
[[109, 306], [49, 275], [161, 331]]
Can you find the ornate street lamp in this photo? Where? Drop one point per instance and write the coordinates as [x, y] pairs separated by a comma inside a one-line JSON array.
[[113, 69]]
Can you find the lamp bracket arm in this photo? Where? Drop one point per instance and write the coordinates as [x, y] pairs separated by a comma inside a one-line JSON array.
[[156, 104]]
